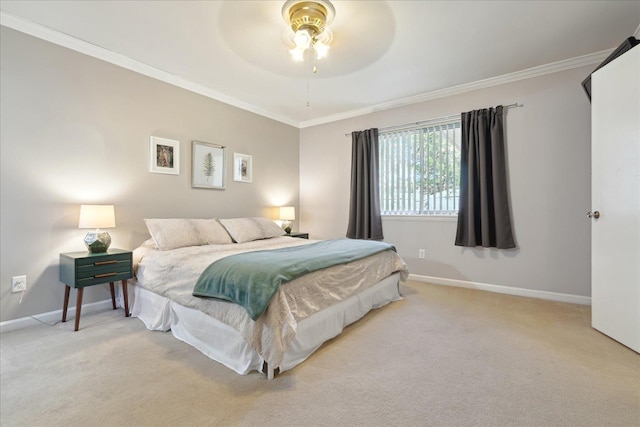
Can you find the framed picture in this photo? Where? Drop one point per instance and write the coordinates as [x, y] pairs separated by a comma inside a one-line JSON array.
[[208, 165], [242, 167], [164, 156]]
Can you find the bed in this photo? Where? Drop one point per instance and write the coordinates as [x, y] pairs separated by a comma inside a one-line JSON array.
[[302, 314]]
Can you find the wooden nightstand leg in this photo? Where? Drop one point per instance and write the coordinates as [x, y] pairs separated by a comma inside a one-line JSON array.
[[67, 289], [113, 295], [125, 294], [78, 307]]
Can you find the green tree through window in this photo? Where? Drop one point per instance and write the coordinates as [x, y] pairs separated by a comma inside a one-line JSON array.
[[420, 169]]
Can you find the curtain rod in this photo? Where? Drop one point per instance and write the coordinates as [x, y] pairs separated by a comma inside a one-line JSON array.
[[514, 105]]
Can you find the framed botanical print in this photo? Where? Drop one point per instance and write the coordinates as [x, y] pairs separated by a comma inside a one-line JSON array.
[[208, 165], [164, 156]]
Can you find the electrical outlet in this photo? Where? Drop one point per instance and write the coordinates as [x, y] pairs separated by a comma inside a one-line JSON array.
[[18, 283], [421, 253]]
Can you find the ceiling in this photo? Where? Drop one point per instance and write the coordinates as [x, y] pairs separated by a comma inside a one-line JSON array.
[[384, 53]]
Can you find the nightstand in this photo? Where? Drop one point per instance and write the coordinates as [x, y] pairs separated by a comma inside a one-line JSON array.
[[298, 235], [82, 269]]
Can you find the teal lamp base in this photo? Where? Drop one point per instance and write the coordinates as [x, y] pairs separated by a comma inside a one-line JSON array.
[[97, 241]]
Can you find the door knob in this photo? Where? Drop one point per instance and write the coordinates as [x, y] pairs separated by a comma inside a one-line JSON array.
[[594, 214]]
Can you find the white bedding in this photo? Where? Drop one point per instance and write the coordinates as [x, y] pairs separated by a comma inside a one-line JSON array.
[[173, 273]]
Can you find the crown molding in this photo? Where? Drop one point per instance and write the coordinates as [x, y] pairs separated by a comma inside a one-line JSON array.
[[554, 67], [70, 42]]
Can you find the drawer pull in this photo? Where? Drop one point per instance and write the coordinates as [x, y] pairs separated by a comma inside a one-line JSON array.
[[99, 276], [106, 262]]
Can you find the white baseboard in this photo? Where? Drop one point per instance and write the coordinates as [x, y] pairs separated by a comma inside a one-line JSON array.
[[521, 292], [53, 317]]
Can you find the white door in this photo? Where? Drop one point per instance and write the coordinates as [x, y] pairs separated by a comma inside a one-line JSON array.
[[615, 194]]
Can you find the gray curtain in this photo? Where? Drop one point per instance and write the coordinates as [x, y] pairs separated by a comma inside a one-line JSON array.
[[365, 221], [484, 214]]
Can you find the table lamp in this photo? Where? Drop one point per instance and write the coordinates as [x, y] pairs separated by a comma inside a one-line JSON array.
[[97, 217], [287, 214]]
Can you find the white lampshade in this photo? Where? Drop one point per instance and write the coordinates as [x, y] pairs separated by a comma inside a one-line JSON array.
[[97, 216], [287, 213]]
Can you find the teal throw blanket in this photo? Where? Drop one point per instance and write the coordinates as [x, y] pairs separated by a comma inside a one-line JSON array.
[[251, 279]]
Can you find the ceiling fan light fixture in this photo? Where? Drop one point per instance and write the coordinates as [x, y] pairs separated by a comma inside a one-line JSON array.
[[321, 49], [297, 54], [302, 39], [308, 21]]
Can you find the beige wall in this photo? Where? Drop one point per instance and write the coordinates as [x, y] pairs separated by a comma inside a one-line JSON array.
[[76, 130], [548, 149]]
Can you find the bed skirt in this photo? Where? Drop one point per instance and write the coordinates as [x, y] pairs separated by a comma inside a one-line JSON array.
[[224, 344]]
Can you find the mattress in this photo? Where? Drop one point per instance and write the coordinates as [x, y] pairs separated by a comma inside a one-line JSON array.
[[302, 315], [225, 345]]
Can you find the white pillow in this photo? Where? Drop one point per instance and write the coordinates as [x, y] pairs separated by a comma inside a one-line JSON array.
[[175, 233], [149, 243], [248, 229]]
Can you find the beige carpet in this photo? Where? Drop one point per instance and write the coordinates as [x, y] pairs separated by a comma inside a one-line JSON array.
[[442, 357]]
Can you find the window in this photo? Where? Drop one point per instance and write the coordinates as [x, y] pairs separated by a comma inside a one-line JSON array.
[[420, 169]]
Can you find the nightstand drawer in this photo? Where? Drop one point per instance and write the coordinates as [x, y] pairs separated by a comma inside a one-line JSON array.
[[103, 270], [103, 278], [101, 260]]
